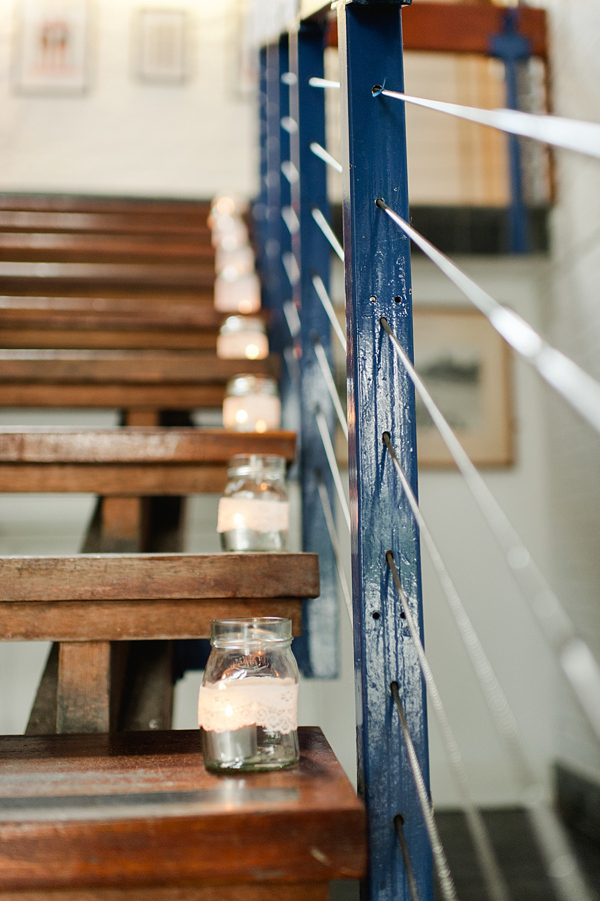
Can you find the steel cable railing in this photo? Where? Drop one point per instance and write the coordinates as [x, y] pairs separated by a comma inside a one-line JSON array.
[[583, 394]]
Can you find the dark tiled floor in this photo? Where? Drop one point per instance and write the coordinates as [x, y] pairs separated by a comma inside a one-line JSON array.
[[517, 855]]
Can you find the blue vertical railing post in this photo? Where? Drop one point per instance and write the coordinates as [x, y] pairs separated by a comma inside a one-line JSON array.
[[317, 650], [380, 399], [259, 205], [513, 48]]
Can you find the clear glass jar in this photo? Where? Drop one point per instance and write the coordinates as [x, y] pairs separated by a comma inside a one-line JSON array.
[[242, 337], [248, 701], [251, 404], [254, 510]]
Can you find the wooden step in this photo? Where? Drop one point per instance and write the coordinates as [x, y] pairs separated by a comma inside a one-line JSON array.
[[117, 597], [46, 247], [136, 816], [51, 274], [130, 379], [129, 461]]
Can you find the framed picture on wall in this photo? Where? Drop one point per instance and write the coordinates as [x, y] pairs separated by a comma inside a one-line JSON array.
[[161, 45], [52, 47], [465, 366]]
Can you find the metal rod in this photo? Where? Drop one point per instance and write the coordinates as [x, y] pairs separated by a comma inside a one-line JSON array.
[[288, 214], [578, 388], [329, 309], [553, 844], [574, 656], [328, 232], [290, 171], [320, 151], [331, 387], [439, 855], [495, 882], [292, 270], [410, 876], [328, 512], [291, 317], [335, 470], [569, 134], [288, 124], [315, 82]]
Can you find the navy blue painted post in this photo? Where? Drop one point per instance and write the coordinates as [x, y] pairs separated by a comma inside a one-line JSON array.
[[318, 648], [380, 399], [513, 48]]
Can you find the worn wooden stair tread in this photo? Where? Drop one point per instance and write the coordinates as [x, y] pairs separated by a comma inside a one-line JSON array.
[[128, 461], [116, 597], [130, 378], [139, 810]]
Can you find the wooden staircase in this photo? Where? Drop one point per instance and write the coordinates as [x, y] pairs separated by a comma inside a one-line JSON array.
[[101, 800]]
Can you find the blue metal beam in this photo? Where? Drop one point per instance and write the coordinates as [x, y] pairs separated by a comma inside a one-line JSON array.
[[380, 399], [318, 648]]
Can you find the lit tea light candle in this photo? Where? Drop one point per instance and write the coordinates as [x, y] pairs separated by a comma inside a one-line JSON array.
[[230, 712], [253, 514], [229, 227], [237, 292], [235, 262], [242, 337], [251, 404]]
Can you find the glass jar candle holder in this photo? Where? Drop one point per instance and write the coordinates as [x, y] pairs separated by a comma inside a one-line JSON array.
[[228, 227], [248, 701], [254, 511], [242, 337], [251, 404], [237, 292], [236, 261]]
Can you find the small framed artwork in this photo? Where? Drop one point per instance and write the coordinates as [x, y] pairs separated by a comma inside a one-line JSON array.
[[465, 366], [161, 40], [52, 47]]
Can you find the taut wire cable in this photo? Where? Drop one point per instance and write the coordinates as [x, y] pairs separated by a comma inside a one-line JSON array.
[[330, 522], [328, 232], [323, 154], [546, 825], [494, 879], [578, 388], [328, 378], [325, 299], [574, 656], [439, 855], [568, 134], [335, 470]]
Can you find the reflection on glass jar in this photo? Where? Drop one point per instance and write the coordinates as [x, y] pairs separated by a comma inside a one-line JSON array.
[[251, 404], [248, 701], [254, 511], [237, 292], [242, 337]]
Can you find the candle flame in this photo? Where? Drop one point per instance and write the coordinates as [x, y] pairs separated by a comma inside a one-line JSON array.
[[260, 425], [241, 416], [252, 351]]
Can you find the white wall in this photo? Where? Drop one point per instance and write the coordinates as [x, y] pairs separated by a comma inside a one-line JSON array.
[[573, 317], [126, 136]]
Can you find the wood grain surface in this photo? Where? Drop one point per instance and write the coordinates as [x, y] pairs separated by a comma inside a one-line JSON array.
[[139, 810]]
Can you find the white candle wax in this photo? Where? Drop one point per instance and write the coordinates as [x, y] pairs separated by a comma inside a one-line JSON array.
[[235, 261], [229, 226], [252, 413], [253, 514], [243, 345], [230, 705], [237, 295]]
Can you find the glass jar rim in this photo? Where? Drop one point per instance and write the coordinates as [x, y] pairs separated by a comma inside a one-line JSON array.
[[235, 324], [250, 631], [246, 464], [246, 383]]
